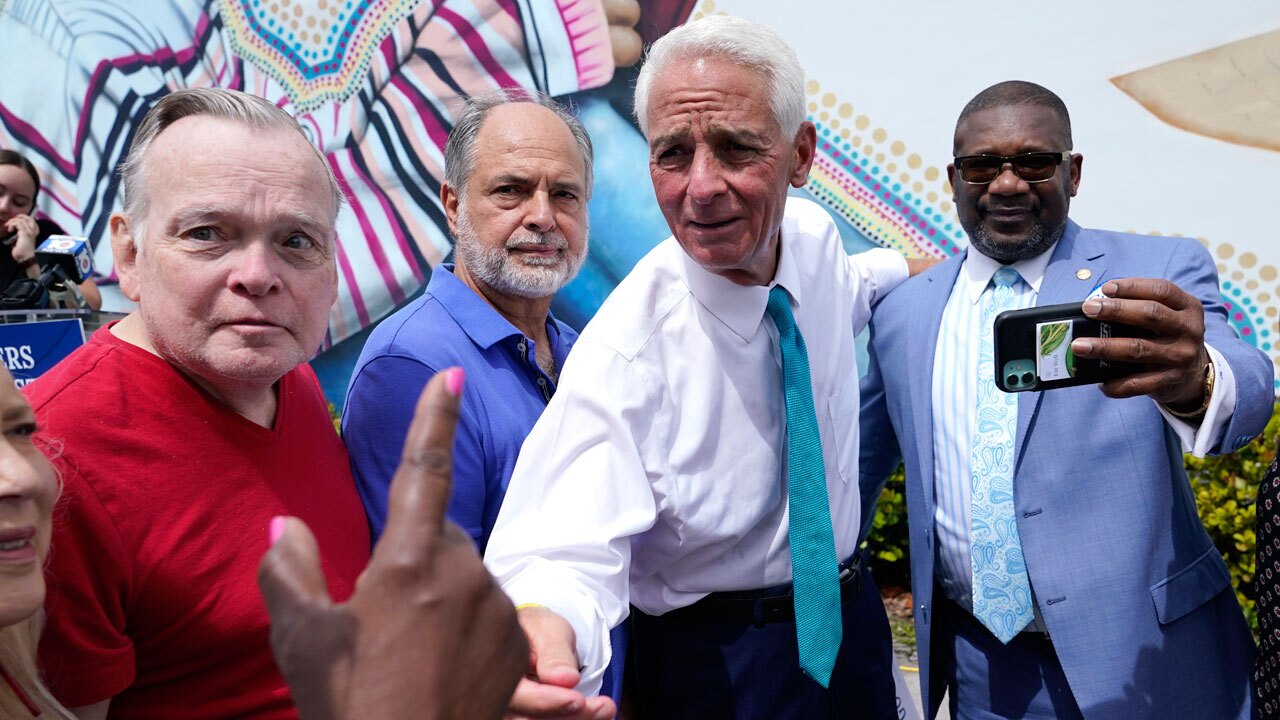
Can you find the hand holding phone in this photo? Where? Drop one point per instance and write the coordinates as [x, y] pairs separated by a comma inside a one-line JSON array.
[[1172, 355], [1035, 348], [1143, 336]]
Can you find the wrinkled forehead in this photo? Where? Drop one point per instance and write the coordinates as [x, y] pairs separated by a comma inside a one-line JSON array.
[[701, 92], [223, 148], [210, 158]]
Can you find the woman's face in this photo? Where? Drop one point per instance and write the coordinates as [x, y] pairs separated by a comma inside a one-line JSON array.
[[28, 489], [17, 192]]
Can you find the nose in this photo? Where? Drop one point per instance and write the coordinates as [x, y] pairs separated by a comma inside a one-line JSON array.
[[706, 182], [256, 269], [1008, 182], [22, 477], [539, 216]]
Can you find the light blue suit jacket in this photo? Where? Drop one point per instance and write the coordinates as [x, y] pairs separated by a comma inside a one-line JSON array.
[[1135, 596]]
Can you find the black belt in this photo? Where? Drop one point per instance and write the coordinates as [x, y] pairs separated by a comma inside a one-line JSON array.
[[758, 607]]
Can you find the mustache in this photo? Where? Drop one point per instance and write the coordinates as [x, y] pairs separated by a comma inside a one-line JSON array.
[[992, 206], [528, 238]]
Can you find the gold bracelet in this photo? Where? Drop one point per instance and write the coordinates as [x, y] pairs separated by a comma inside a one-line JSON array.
[[1209, 376], [522, 606]]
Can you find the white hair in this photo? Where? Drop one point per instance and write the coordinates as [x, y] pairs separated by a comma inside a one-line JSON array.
[[740, 41]]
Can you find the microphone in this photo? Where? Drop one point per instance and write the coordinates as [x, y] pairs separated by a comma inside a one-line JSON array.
[[69, 254]]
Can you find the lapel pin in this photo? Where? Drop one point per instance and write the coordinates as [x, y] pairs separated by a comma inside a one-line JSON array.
[[1084, 273]]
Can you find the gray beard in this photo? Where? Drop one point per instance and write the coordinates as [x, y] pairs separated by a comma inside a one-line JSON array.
[[1038, 240], [531, 279]]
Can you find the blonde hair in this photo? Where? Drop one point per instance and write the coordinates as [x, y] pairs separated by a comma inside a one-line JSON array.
[[18, 658]]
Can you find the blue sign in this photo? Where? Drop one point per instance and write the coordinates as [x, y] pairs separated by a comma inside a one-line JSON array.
[[29, 349]]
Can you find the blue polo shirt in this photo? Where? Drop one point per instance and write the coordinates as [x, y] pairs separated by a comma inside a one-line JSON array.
[[504, 393]]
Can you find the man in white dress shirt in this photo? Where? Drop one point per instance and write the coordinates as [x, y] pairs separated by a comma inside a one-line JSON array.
[[658, 476]]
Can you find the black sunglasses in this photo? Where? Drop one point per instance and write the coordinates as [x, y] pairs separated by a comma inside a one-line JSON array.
[[1031, 167]]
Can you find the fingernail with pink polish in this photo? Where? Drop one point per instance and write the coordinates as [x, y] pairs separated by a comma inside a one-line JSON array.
[[454, 381], [275, 529]]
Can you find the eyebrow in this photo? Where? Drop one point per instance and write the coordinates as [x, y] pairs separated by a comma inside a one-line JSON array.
[[17, 194], [194, 215], [17, 412], [522, 180], [742, 135]]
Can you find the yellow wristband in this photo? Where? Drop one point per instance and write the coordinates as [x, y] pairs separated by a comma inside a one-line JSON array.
[[528, 605]]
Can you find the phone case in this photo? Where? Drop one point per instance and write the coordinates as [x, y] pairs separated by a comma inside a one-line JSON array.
[[1033, 349]]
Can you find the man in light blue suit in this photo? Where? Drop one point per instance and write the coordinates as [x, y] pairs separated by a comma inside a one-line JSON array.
[[1059, 567]]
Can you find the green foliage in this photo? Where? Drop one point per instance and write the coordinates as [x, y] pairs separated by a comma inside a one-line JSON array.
[[1225, 486], [888, 540]]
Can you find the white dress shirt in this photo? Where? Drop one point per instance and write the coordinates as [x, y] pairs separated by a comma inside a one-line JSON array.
[[655, 475], [955, 370]]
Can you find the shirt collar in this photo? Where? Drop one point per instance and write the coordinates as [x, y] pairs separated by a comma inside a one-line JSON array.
[[978, 270], [477, 318], [741, 307]]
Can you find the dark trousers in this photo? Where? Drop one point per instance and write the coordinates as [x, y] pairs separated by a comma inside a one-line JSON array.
[[710, 670], [986, 679]]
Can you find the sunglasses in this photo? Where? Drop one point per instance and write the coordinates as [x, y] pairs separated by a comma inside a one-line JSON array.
[[1031, 167]]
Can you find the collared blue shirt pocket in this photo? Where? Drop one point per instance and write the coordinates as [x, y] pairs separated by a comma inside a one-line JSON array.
[[1192, 586]]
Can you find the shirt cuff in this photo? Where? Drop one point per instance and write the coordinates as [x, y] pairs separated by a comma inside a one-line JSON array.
[[590, 635], [881, 268], [1200, 441]]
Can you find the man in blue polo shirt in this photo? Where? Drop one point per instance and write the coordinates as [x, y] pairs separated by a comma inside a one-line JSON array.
[[517, 179]]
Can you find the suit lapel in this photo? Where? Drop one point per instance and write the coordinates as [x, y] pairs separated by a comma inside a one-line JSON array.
[[1076, 252], [931, 301]]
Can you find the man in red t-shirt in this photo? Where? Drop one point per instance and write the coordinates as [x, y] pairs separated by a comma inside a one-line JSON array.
[[181, 430]]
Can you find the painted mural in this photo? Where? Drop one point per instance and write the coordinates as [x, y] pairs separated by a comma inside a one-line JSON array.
[[376, 83]]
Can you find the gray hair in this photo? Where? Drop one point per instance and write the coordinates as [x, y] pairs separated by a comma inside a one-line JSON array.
[[740, 41], [249, 110], [460, 149]]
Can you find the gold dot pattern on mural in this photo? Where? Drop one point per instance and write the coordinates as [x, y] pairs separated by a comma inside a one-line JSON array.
[[1225, 251], [1267, 273], [818, 108], [1248, 260]]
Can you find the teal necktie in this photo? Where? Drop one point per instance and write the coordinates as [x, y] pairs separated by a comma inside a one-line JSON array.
[[1001, 590], [814, 568]]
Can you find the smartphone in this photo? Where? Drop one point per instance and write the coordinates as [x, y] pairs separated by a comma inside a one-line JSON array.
[[1033, 348]]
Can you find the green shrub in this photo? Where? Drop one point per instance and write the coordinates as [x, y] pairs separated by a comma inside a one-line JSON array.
[[887, 541], [1225, 486]]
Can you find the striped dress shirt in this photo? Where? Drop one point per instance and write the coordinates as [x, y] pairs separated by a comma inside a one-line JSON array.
[[954, 399]]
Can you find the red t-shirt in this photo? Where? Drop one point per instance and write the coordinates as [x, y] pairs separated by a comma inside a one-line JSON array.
[[153, 599]]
